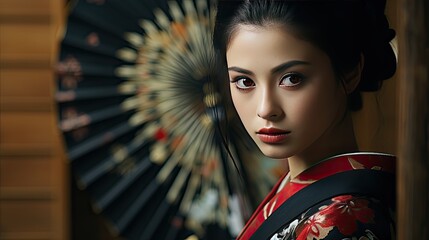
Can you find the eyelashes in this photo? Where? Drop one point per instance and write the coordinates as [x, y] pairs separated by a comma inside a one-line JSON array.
[[243, 83], [290, 80]]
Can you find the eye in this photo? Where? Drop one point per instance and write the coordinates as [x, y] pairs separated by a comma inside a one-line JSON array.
[[243, 83], [291, 79]]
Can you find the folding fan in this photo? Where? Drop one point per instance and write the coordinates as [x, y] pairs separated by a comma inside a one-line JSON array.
[[139, 109]]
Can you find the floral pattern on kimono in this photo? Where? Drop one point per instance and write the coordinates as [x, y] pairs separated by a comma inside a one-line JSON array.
[[344, 217]]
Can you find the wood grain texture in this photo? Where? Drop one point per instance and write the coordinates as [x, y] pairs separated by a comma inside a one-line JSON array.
[[413, 140], [33, 170]]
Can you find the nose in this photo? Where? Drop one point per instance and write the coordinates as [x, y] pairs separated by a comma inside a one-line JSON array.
[[269, 107]]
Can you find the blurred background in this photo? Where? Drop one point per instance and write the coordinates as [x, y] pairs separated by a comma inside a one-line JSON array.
[[38, 199]]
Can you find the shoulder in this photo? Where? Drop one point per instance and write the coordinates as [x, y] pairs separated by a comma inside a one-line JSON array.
[[344, 217]]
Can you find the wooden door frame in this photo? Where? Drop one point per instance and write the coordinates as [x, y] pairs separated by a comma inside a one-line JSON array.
[[413, 135]]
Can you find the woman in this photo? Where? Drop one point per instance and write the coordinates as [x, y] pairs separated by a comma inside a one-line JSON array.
[[296, 70]]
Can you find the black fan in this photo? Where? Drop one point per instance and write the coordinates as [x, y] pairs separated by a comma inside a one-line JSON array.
[[140, 110]]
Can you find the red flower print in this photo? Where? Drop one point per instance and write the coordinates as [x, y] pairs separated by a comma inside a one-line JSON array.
[[161, 135], [314, 227], [345, 211]]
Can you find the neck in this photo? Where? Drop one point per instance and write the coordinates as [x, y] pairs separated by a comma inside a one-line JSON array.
[[337, 140]]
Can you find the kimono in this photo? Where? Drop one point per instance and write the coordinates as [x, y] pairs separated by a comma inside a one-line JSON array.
[[343, 217]]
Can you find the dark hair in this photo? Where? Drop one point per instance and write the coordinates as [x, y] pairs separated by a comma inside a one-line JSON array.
[[343, 29]]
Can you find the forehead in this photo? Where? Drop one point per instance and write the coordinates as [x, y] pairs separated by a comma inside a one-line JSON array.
[[268, 44]]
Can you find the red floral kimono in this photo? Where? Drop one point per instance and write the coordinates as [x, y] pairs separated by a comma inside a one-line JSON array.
[[341, 217]]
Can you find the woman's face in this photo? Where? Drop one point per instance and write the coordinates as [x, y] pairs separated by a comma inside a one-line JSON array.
[[284, 90]]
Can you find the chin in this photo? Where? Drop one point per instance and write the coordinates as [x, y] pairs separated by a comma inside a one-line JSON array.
[[275, 152]]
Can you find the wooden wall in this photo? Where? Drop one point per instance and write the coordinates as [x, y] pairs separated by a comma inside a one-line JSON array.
[[33, 175], [413, 136]]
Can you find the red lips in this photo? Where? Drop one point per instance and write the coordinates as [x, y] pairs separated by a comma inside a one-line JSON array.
[[272, 135]]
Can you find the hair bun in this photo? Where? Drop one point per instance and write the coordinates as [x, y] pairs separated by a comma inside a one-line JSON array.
[[380, 59]]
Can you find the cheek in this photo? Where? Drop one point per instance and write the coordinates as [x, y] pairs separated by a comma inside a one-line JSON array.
[[303, 109], [318, 107]]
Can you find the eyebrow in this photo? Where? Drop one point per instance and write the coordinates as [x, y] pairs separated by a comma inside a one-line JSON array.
[[279, 68], [240, 70], [286, 65]]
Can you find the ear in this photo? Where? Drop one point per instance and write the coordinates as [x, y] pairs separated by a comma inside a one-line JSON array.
[[352, 79]]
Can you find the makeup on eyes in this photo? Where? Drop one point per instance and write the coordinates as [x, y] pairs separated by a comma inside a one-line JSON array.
[[289, 80]]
